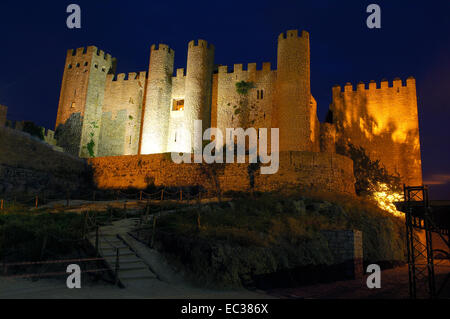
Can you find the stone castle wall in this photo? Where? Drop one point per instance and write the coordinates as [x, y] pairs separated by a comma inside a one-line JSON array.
[[81, 98], [137, 115], [121, 116], [384, 121], [251, 110], [298, 170], [347, 249]]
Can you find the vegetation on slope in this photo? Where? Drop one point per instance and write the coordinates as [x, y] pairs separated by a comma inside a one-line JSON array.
[[228, 244]]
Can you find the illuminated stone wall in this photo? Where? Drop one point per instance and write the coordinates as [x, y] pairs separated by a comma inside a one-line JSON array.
[[294, 108], [158, 100], [175, 142], [121, 117], [253, 109], [298, 170], [198, 85], [384, 121], [81, 99]]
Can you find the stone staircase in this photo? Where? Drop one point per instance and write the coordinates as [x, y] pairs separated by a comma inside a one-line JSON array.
[[132, 269]]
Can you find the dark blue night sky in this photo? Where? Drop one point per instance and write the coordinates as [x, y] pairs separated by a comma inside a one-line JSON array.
[[414, 40]]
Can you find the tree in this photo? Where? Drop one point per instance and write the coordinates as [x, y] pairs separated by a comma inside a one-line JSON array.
[[33, 129], [369, 174]]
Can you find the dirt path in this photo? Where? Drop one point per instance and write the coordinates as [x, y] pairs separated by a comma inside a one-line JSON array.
[[56, 289], [394, 285]]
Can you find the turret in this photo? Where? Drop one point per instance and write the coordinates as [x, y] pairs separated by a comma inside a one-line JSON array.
[[198, 85], [292, 109], [158, 100], [81, 99]]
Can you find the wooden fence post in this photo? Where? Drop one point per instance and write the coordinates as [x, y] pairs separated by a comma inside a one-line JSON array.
[[96, 241], [181, 195], [162, 195], [37, 202], [117, 265], [1, 204], [153, 232]]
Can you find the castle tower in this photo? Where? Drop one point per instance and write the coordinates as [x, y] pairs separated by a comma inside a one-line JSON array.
[[382, 118], [198, 85], [292, 103], [158, 100], [81, 100]]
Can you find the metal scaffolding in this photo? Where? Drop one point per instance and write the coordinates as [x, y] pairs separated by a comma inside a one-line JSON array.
[[422, 215]]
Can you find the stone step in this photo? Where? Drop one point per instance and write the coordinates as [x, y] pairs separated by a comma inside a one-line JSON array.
[[131, 267], [123, 259], [122, 254], [136, 275], [109, 247]]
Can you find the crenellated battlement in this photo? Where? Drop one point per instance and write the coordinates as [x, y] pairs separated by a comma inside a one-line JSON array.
[[251, 68], [131, 76], [87, 52], [293, 34], [200, 43], [162, 47], [373, 86], [180, 73]]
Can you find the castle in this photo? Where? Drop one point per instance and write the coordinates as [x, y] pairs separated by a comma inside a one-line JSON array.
[[102, 115]]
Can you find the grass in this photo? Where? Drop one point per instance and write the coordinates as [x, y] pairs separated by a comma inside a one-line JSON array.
[[28, 236]]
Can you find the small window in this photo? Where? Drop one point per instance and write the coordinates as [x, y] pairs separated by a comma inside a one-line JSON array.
[[178, 105], [70, 66], [130, 140], [73, 105], [86, 63], [78, 65], [260, 94], [103, 69], [96, 65], [175, 137]]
